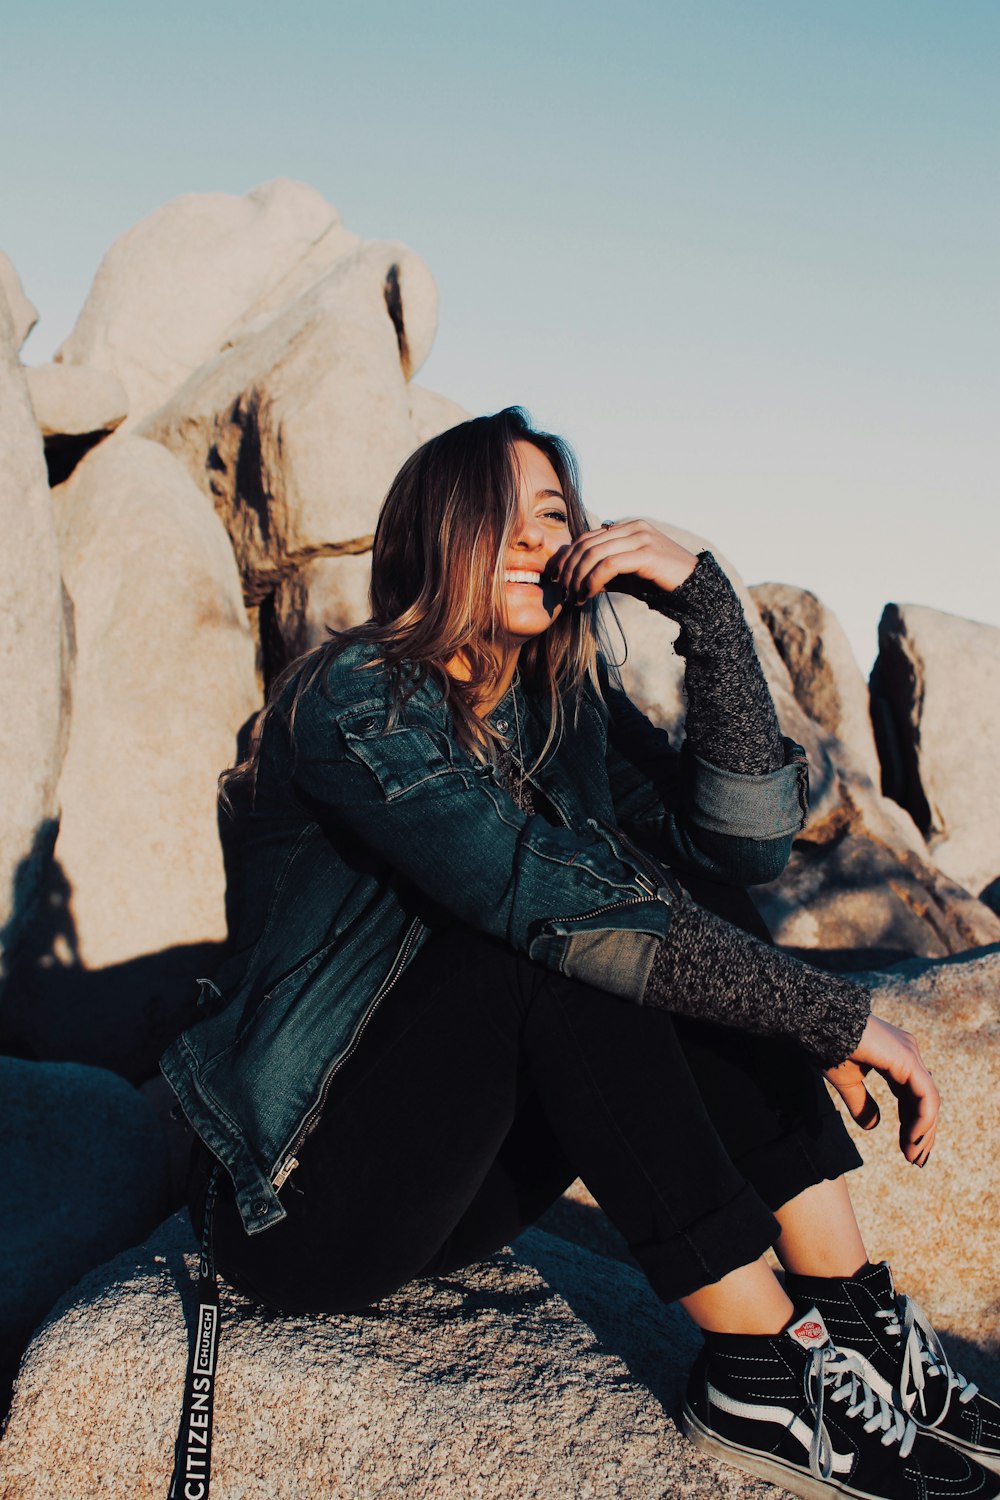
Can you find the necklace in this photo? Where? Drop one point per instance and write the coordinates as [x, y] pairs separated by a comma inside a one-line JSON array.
[[515, 683]]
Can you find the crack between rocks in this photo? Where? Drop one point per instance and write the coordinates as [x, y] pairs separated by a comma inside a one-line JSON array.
[[260, 585]]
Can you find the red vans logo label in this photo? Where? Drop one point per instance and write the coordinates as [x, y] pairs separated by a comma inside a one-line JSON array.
[[810, 1333]]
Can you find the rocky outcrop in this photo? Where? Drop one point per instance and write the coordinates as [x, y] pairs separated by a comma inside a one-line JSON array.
[[164, 681], [940, 1227], [540, 1373], [84, 1176], [936, 707], [23, 314], [265, 356], [184, 282], [34, 650], [296, 431], [861, 887], [824, 673]]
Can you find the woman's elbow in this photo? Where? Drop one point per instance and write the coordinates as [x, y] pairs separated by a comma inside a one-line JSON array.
[[746, 861], [770, 859]]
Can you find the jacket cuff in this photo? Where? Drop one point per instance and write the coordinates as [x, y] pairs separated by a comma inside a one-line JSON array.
[[755, 807]]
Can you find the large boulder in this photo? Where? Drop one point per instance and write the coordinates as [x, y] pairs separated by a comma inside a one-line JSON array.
[[34, 649], [540, 1373], [861, 888], [164, 682], [85, 1176], [824, 672], [296, 430], [183, 282], [936, 706], [940, 1227], [24, 315]]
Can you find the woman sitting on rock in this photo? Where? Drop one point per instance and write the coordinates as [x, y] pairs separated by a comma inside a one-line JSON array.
[[493, 936]]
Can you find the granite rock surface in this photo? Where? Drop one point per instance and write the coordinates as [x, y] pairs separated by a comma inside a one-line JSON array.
[[546, 1371], [178, 286], [35, 648]]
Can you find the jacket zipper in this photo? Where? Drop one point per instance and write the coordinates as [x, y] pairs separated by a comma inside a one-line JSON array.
[[312, 1119], [647, 867], [653, 871], [599, 911], [649, 875]]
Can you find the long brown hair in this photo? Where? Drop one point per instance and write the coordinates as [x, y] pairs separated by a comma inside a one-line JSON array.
[[437, 585]]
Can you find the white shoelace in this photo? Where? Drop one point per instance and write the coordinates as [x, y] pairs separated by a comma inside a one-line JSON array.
[[833, 1375], [923, 1355]]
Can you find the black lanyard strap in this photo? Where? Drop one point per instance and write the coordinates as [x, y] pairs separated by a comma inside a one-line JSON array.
[[193, 1452]]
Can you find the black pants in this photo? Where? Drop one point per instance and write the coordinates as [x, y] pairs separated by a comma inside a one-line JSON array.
[[482, 1086]]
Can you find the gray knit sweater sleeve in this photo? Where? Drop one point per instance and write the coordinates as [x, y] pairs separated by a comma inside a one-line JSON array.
[[730, 718], [706, 966]]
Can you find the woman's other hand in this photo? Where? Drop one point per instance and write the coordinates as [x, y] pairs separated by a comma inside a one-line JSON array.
[[894, 1054], [622, 559]]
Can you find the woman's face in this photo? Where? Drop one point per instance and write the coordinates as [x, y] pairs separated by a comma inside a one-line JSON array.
[[531, 600]]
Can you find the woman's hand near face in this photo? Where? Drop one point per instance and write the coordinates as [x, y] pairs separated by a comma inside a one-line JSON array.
[[621, 559], [894, 1054]]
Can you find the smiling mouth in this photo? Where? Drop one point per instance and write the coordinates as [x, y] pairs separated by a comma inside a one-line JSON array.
[[522, 575]]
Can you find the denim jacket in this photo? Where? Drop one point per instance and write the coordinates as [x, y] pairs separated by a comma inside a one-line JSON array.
[[367, 831]]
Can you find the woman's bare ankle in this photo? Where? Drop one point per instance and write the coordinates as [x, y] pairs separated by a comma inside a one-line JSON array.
[[749, 1300]]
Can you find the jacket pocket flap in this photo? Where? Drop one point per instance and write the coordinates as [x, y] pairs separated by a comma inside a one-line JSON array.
[[400, 758]]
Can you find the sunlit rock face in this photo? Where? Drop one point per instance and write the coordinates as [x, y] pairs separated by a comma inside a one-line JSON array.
[[296, 431], [35, 645], [824, 674], [23, 314], [182, 283], [163, 682]]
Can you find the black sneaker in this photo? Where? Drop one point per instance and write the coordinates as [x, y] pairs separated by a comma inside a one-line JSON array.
[[795, 1410], [902, 1358]]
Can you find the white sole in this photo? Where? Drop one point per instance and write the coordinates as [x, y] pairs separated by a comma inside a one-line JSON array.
[[787, 1476]]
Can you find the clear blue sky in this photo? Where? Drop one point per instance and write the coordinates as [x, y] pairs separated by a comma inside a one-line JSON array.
[[743, 253]]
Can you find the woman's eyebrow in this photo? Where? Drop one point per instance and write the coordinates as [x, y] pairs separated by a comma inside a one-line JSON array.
[[550, 495]]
